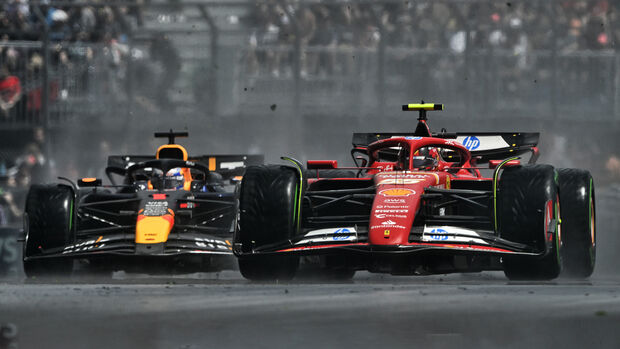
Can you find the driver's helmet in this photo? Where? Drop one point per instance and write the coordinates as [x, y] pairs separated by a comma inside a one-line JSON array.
[[425, 158], [174, 179]]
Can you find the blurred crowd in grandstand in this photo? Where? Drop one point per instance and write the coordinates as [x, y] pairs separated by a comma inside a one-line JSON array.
[[515, 26], [78, 35], [19, 168], [20, 21]]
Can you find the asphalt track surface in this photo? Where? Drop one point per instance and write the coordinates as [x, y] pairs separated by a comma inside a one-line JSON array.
[[221, 310]]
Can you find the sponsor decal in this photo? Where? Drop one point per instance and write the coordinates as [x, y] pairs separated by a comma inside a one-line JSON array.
[[407, 137], [394, 201], [211, 243], [155, 208], [483, 142], [324, 235], [231, 165], [391, 211], [399, 181], [453, 235], [342, 234], [382, 226], [391, 207], [409, 174], [386, 226], [85, 246], [405, 174], [471, 142], [388, 222], [384, 215], [438, 234], [397, 192]]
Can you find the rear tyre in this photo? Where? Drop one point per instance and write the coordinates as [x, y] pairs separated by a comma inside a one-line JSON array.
[[268, 215], [47, 224], [528, 213], [578, 222]]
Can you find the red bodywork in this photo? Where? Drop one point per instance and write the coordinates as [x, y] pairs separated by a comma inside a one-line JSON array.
[[399, 186], [414, 203]]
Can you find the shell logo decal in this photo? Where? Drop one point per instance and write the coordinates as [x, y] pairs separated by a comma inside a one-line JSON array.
[[397, 192]]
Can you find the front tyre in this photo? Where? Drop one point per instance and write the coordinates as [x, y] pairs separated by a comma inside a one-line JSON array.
[[528, 212], [48, 225], [578, 222], [268, 204]]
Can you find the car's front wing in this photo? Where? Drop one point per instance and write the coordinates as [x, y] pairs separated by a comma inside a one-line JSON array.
[[354, 239], [124, 244]]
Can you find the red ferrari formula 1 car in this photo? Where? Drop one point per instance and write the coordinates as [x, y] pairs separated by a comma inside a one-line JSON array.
[[168, 211], [419, 203]]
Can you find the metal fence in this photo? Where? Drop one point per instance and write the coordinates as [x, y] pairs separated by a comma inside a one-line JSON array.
[[85, 80], [485, 83], [391, 55], [81, 79]]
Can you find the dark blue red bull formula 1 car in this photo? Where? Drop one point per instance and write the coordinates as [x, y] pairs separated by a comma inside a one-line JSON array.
[[420, 203], [162, 211]]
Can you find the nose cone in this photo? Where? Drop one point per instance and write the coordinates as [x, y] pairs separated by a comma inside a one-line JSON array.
[[395, 205], [153, 229], [393, 213]]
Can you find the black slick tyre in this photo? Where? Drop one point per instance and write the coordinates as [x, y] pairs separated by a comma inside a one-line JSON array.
[[268, 204], [48, 225], [578, 222], [528, 213]]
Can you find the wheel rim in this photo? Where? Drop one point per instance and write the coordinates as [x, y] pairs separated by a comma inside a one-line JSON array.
[[547, 219], [558, 223], [592, 226]]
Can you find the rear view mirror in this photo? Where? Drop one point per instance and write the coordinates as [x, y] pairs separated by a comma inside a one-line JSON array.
[[512, 163], [89, 182], [322, 164]]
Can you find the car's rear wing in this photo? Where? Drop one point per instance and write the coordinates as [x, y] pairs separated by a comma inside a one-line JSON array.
[[229, 166], [483, 145]]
